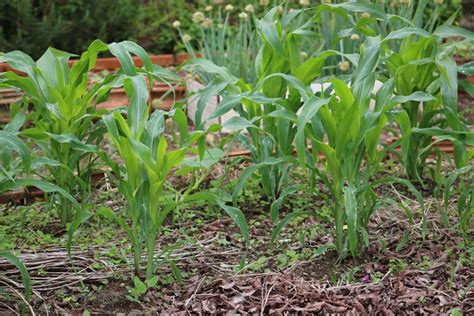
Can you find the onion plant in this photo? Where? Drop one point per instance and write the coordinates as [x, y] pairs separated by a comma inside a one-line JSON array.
[[223, 43], [64, 116]]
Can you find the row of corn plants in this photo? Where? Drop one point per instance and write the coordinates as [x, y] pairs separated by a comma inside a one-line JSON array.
[[281, 113], [334, 132]]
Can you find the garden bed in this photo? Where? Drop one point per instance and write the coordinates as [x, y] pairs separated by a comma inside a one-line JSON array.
[[296, 274]]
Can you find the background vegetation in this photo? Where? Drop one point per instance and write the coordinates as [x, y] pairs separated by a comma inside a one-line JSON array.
[[70, 25]]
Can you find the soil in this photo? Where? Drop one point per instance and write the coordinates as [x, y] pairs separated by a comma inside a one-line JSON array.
[[300, 273]]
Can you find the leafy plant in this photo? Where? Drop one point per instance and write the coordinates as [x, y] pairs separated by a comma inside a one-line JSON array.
[[64, 117], [17, 163], [264, 108], [149, 158], [464, 191], [140, 288], [422, 64], [352, 156], [25, 276]]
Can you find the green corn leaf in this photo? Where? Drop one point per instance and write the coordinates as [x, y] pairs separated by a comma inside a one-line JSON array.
[[269, 30], [249, 171], [227, 103], [25, 276], [448, 31], [237, 123], [215, 87], [350, 206], [309, 109], [12, 142], [238, 217], [211, 68], [137, 92], [276, 205], [406, 32]]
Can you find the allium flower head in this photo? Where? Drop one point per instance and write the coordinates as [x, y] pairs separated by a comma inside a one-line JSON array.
[[206, 23], [187, 38], [355, 37], [344, 66], [243, 16], [198, 17]]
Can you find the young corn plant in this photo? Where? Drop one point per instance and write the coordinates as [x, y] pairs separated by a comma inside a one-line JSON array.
[[459, 184], [422, 64], [149, 158], [17, 165], [351, 155], [267, 109], [64, 115]]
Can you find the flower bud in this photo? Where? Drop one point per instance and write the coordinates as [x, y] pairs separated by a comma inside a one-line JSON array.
[[243, 16], [355, 37], [198, 17], [344, 66], [186, 38], [206, 23]]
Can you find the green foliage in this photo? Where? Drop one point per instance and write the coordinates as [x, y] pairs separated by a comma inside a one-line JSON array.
[[278, 114], [33, 26], [422, 64], [352, 156], [267, 110], [65, 118], [149, 159], [25, 276], [140, 288]]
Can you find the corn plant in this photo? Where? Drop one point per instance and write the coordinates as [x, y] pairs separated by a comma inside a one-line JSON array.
[[64, 115], [17, 165], [149, 158], [25, 277], [460, 185], [422, 64], [352, 156], [284, 79]]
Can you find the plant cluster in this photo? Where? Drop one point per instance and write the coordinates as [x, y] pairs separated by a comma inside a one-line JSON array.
[[72, 25], [335, 131]]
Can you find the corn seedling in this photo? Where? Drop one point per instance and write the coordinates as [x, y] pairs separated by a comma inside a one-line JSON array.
[[148, 160], [264, 108], [17, 163], [64, 116], [352, 155], [422, 64]]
